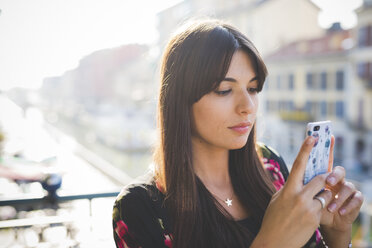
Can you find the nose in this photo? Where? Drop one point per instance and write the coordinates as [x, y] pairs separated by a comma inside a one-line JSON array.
[[246, 103]]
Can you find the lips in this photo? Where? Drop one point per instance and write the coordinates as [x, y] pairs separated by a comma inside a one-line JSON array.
[[241, 128]]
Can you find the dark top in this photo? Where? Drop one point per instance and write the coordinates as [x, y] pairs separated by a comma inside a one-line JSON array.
[[140, 219]]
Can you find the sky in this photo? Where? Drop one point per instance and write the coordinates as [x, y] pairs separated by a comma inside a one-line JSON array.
[[337, 11], [42, 38]]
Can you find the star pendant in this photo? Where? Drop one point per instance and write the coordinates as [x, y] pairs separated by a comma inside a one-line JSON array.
[[228, 202]]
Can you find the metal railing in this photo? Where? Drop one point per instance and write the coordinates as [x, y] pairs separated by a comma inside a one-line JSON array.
[[21, 226], [46, 201]]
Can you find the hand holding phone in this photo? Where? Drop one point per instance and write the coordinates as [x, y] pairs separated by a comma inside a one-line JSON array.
[[318, 162]]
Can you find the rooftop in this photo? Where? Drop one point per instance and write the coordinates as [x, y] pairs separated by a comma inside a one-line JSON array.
[[335, 41]]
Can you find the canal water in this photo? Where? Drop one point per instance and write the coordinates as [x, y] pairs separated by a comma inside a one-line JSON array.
[[30, 150]]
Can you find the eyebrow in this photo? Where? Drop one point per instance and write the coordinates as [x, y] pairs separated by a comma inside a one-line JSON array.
[[233, 80]]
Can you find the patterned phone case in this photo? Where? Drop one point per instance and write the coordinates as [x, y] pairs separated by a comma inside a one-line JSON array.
[[319, 156]]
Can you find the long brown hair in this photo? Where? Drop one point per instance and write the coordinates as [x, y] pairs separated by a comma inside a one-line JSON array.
[[195, 61]]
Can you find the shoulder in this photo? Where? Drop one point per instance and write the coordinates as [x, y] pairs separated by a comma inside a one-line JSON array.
[[274, 163], [137, 196], [133, 192], [138, 216], [267, 151]]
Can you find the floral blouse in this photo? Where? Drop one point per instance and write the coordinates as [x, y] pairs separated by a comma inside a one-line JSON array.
[[140, 220]]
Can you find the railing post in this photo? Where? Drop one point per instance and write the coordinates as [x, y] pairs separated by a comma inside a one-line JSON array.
[[90, 215]]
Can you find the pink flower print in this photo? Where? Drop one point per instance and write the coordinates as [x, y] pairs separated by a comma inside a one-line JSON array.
[[121, 228], [121, 243], [126, 239], [274, 168], [264, 160], [168, 240], [318, 236]]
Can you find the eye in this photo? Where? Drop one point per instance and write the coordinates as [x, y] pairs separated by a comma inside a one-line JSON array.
[[222, 92], [253, 90]]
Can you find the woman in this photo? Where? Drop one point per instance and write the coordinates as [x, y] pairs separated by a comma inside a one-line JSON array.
[[213, 185]]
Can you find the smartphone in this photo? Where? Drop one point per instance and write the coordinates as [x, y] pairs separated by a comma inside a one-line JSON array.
[[318, 162]]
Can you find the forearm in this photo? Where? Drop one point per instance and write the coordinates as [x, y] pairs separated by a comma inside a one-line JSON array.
[[336, 239], [260, 243]]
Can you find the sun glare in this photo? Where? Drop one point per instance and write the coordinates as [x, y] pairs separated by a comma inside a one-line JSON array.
[[42, 38]]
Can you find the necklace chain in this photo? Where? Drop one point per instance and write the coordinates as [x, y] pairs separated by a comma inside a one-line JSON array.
[[228, 200]]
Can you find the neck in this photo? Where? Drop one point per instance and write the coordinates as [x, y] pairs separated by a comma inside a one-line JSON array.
[[211, 165]]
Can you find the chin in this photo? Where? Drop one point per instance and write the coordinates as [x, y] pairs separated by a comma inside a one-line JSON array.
[[238, 145]]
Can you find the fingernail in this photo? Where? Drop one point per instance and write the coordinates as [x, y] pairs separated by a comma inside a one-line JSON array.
[[342, 211], [332, 207], [310, 140], [331, 180]]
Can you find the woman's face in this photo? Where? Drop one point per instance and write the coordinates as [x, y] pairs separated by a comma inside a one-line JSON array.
[[224, 118]]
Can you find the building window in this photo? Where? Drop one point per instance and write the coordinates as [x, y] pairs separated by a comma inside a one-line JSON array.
[[323, 80], [340, 109], [268, 106], [286, 105], [365, 36], [271, 106], [291, 81], [365, 70], [361, 113], [339, 147], [309, 81], [308, 106], [362, 37], [323, 108], [340, 78], [274, 105], [362, 69], [266, 85], [316, 106], [330, 108], [278, 82]]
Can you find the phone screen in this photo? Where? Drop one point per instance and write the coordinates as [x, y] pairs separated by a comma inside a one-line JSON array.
[[319, 156]]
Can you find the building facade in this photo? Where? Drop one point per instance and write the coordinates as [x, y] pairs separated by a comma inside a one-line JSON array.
[[327, 78], [268, 23]]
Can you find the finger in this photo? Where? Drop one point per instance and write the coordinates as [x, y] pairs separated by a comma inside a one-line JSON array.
[[347, 190], [315, 185], [330, 163], [296, 175], [336, 176], [326, 195], [353, 205]]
